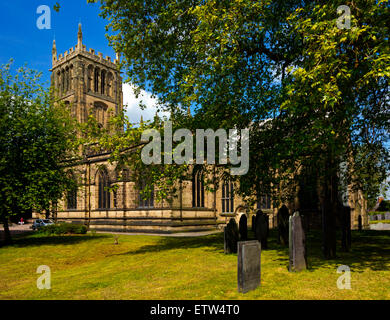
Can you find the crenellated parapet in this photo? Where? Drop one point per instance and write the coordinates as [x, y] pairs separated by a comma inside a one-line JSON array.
[[88, 81], [81, 49], [90, 55]]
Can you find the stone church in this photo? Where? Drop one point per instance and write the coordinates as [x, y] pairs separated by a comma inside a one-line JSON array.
[[91, 83]]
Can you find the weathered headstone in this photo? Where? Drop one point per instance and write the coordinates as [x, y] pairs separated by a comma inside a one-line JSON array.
[[373, 217], [262, 228], [379, 216], [297, 244], [283, 217], [345, 219], [360, 224], [243, 228], [231, 236], [387, 216], [249, 267]]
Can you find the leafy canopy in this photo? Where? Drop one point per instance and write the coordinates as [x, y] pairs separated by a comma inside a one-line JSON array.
[[37, 142]]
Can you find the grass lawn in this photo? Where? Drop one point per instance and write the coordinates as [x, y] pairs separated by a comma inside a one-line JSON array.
[[151, 267]]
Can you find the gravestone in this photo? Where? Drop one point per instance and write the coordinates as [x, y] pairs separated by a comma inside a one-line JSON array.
[[379, 216], [243, 228], [373, 217], [249, 267], [297, 244], [387, 216], [262, 228], [283, 218], [345, 219], [360, 224], [231, 236]]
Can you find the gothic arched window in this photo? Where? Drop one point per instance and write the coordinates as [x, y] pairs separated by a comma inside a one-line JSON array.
[[96, 80], [71, 77], [264, 202], [71, 196], [197, 190], [109, 84], [104, 192], [103, 82], [89, 77], [227, 197], [100, 110]]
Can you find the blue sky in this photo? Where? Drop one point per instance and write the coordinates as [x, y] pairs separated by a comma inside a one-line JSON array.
[[21, 40]]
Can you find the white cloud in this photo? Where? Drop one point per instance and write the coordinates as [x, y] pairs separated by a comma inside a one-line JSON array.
[[133, 110]]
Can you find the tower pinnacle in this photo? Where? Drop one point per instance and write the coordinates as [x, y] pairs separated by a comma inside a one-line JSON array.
[[80, 38], [54, 51]]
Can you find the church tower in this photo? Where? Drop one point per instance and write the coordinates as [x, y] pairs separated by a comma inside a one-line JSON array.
[[88, 82]]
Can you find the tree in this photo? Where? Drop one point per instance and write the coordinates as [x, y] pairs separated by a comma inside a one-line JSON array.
[[218, 58], [314, 95], [340, 88], [37, 142]]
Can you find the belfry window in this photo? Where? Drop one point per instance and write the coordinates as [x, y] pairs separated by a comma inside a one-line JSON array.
[[103, 82], [96, 80], [109, 85], [89, 78]]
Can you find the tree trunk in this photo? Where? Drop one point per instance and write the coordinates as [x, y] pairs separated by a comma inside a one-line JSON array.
[[329, 209], [7, 233], [55, 210]]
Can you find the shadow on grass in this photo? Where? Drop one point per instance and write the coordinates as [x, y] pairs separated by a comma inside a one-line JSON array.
[[34, 239], [212, 242], [370, 249]]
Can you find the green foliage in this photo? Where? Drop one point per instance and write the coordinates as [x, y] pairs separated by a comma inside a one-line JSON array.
[[210, 57], [63, 228], [339, 91], [57, 7], [122, 138], [37, 142], [384, 206], [313, 95]]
